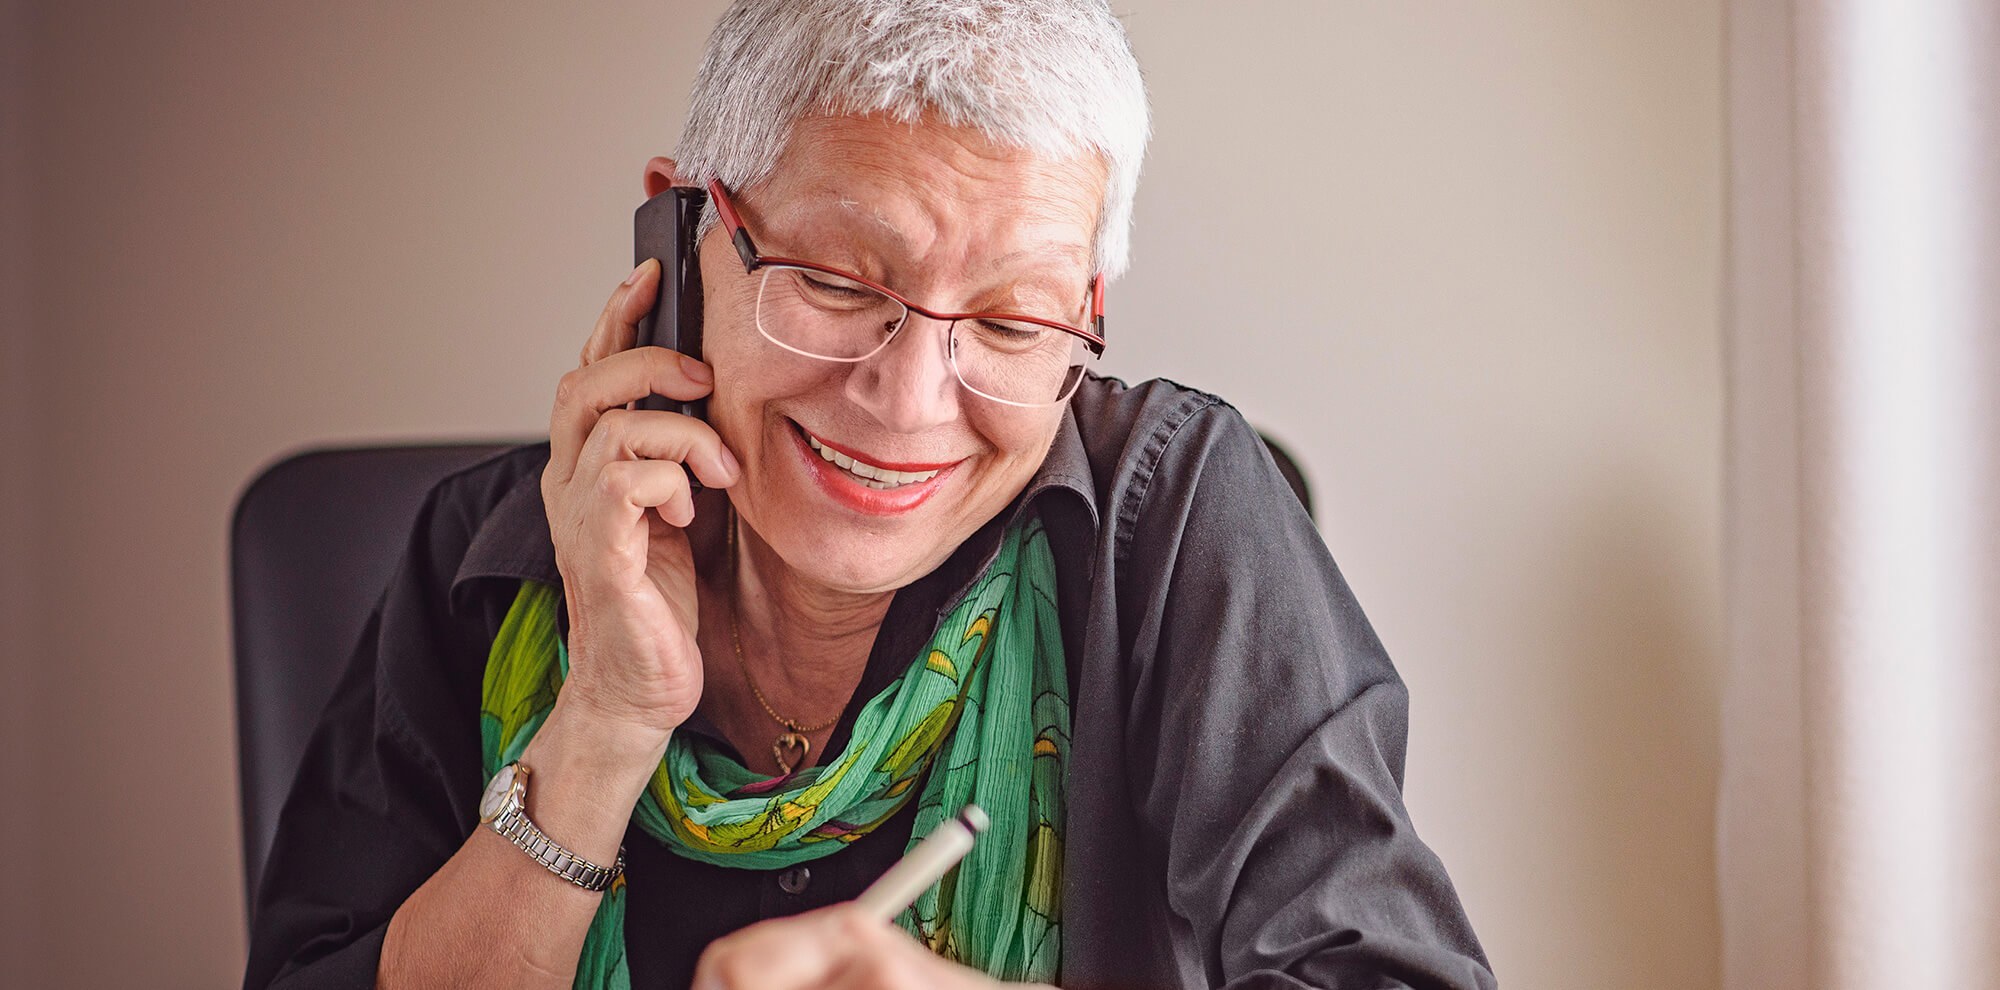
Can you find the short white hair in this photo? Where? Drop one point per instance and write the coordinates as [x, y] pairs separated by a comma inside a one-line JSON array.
[[1055, 77]]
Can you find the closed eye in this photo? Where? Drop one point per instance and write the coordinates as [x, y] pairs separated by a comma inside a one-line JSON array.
[[841, 289], [1012, 331]]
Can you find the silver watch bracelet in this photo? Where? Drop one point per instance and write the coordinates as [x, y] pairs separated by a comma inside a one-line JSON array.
[[514, 826]]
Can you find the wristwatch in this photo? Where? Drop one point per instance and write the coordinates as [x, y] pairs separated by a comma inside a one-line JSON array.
[[503, 808]]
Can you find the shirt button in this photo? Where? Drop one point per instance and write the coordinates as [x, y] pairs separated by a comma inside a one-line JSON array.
[[794, 880]]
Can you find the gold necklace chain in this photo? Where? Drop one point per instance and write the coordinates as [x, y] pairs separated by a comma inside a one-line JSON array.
[[794, 735]]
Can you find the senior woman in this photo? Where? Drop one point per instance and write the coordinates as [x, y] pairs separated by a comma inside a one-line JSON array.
[[606, 728]]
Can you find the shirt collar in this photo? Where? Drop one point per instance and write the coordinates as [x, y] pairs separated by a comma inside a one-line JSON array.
[[513, 541]]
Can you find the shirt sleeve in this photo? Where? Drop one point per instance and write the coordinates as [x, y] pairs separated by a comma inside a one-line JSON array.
[[1277, 725], [383, 796]]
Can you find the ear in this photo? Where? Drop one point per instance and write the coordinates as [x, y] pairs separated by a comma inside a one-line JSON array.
[[659, 175]]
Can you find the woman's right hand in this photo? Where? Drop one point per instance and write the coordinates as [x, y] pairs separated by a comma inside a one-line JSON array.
[[628, 573]]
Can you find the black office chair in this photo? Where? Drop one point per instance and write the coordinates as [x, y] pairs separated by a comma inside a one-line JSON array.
[[314, 541]]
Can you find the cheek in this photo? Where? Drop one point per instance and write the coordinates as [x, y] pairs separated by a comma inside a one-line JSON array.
[[751, 372], [749, 375], [1019, 441]]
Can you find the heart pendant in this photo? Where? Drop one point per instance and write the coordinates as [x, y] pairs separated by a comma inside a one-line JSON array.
[[790, 750]]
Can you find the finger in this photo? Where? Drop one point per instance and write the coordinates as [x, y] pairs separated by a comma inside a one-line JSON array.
[[617, 325], [781, 954], [885, 957], [583, 394], [881, 956], [626, 434], [623, 492], [863, 972], [610, 527]]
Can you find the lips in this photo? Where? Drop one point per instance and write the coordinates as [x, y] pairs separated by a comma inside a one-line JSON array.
[[867, 485], [880, 465], [880, 479]]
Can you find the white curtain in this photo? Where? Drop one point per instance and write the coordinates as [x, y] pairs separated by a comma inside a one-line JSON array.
[[1859, 815]]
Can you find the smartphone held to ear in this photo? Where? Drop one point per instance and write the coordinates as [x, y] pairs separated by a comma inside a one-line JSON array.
[[663, 228]]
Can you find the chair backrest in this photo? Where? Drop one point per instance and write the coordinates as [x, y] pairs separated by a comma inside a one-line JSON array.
[[314, 540]]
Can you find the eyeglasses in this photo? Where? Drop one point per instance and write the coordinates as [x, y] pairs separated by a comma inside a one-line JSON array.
[[824, 312]]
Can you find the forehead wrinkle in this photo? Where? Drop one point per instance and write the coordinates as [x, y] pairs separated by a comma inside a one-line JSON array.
[[1030, 215], [875, 214]]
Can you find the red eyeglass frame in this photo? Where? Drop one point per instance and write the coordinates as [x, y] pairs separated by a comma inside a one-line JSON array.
[[746, 249]]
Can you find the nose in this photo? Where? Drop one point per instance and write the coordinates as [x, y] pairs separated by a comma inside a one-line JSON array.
[[909, 385]]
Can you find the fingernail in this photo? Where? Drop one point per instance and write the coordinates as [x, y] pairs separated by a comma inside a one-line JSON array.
[[629, 279], [729, 463], [696, 370]]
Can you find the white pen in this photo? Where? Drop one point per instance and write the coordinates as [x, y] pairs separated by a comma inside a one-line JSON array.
[[925, 865]]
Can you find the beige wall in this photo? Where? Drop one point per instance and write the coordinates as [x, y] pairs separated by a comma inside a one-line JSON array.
[[1463, 259]]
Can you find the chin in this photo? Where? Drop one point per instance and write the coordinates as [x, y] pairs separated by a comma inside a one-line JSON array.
[[836, 546], [854, 562]]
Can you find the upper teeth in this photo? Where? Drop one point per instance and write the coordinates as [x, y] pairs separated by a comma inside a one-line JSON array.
[[869, 474]]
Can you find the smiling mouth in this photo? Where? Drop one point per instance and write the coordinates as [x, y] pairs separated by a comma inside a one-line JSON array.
[[864, 473]]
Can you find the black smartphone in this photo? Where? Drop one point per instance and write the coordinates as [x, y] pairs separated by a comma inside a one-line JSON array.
[[663, 227]]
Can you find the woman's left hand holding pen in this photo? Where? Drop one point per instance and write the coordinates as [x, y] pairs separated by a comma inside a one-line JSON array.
[[839, 948]]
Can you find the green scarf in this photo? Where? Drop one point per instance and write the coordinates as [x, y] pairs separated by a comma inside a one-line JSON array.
[[989, 695]]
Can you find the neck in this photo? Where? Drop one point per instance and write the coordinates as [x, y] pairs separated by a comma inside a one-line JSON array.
[[805, 644]]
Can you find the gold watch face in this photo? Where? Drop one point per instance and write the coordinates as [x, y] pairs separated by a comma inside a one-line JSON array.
[[494, 801]]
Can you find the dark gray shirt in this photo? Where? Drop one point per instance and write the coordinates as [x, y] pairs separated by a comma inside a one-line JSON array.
[[1235, 813]]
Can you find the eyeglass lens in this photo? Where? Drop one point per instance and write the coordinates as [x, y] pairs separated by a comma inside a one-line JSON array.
[[824, 315]]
